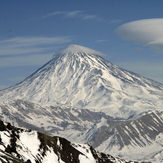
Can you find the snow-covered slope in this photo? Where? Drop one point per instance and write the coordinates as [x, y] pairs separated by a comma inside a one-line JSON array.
[[66, 122], [78, 77], [26, 146], [133, 139]]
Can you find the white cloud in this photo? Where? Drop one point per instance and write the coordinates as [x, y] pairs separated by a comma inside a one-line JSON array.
[[53, 14], [64, 13], [24, 45], [29, 51], [31, 41], [73, 14], [148, 32]]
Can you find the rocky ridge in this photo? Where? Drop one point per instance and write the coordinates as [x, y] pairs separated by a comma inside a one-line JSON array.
[[26, 146]]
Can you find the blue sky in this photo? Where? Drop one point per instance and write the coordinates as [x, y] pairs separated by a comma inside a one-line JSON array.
[[129, 32]]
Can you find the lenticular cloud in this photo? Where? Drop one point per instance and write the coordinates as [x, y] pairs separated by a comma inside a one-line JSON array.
[[148, 32]]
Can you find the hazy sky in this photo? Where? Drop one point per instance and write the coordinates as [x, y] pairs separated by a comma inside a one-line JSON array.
[[129, 32]]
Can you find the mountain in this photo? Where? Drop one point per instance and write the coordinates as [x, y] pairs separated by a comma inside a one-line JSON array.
[[26, 146], [67, 122], [79, 77], [82, 97], [132, 139]]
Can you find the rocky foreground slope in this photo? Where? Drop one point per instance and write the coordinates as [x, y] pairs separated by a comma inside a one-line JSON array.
[[132, 139], [26, 146]]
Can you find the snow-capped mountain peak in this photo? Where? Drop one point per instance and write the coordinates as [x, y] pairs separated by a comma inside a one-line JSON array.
[[75, 49], [78, 77]]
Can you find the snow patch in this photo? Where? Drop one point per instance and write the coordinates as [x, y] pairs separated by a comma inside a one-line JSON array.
[[103, 122], [30, 141], [51, 157], [5, 138], [84, 159]]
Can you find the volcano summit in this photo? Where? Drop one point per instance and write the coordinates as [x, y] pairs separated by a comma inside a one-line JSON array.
[[79, 77]]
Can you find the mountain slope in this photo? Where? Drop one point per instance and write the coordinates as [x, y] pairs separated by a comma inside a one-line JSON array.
[[51, 120], [79, 77], [132, 139], [26, 146]]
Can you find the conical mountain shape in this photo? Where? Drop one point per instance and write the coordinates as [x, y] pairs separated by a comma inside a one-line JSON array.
[[79, 77]]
